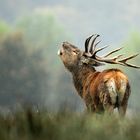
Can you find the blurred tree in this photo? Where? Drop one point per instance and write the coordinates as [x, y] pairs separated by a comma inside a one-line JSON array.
[[31, 71], [4, 28], [22, 75], [45, 33]]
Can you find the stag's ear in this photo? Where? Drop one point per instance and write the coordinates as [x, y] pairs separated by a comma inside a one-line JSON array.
[[91, 62]]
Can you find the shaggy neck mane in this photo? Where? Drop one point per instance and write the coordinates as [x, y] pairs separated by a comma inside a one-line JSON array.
[[80, 75]]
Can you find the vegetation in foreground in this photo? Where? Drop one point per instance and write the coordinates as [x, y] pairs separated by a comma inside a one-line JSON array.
[[35, 125]]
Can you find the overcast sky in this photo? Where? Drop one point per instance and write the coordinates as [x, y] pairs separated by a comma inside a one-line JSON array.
[[113, 20]]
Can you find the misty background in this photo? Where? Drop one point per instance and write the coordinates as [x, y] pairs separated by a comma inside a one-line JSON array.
[[32, 31]]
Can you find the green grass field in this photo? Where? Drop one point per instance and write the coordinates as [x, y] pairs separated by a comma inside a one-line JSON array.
[[32, 125]]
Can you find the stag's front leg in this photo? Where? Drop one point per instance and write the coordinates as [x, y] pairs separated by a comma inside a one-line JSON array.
[[91, 108], [89, 104]]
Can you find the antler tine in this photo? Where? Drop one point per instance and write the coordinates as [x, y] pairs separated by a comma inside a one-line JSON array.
[[128, 58], [87, 42], [100, 49], [131, 65], [124, 61], [93, 46], [116, 50], [117, 57]]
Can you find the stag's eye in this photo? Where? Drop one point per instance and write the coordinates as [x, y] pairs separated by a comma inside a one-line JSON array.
[[75, 52]]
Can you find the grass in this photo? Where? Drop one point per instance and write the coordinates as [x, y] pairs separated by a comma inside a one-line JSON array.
[[33, 125]]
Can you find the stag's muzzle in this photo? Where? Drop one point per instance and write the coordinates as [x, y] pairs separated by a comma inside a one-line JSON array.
[[60, 52]]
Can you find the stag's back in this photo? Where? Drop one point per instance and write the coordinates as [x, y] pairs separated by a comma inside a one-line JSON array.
[[110, 87]]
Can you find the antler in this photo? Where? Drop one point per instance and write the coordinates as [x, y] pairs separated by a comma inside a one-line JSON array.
[[93, 51], [87, 43]]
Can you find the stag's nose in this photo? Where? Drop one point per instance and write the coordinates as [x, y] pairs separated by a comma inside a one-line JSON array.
[[65, 46], [59, 52]]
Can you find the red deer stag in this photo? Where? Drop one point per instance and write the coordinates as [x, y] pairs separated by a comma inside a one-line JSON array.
[[101, 91]]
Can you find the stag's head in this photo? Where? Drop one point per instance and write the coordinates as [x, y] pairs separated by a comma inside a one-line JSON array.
[[73, 57], [70, 55]]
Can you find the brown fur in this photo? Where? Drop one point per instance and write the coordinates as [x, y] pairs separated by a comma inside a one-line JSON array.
[[96, 84], [101, 91]]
